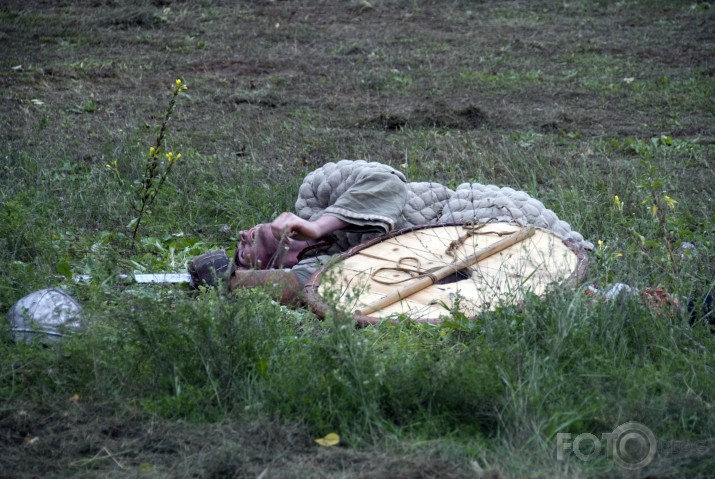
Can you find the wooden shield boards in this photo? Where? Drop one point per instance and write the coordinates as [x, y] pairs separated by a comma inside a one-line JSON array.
[[369, 272]]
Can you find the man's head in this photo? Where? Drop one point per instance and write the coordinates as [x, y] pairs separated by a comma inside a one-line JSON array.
[[259, 248]]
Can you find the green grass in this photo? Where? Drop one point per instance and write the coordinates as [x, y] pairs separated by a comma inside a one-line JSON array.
[[507, 381]]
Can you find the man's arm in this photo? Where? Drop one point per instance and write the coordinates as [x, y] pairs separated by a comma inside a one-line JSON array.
[[297, 228], [282, 285]]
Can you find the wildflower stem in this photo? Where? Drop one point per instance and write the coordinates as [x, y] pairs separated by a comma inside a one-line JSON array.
[[150, 185]]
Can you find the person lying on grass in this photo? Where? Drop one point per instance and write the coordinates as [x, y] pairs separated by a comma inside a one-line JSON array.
[[346, 203]]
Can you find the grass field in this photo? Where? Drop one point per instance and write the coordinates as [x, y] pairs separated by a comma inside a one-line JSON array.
[[604, 111]]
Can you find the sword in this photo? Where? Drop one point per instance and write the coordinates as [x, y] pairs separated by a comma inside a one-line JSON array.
[[208, 268], [146, 278]]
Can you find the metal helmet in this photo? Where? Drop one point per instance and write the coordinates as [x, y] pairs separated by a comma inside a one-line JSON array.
[[46, 315]]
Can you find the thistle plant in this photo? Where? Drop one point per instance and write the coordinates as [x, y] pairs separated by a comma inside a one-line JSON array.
[[156, 168]]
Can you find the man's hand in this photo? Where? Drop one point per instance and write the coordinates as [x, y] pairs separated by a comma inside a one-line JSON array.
[[295, 227]]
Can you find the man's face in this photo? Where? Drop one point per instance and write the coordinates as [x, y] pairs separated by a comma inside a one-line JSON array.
[[256, 248]]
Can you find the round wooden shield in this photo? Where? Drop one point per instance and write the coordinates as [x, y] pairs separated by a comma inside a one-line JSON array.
[[427, 273]]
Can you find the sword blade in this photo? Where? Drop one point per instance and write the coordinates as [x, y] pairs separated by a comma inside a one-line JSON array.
[[172, 278], [146, 278]]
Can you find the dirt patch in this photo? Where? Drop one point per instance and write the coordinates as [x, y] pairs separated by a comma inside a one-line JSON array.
[[92, 441], [357, 66], [434, 115]]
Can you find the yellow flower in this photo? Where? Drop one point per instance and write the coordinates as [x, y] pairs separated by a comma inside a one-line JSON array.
[[670, 201], [152, 150], [600, 243], [173, 159], [180, 85]]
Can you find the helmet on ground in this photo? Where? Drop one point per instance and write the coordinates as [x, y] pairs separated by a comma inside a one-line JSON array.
[[46, 315]]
